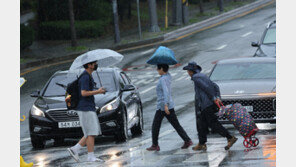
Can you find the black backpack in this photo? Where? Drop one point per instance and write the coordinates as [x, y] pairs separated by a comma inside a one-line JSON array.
[[73, 90]]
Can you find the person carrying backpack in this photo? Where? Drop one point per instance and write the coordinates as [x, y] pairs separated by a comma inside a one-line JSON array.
[[86, 111]]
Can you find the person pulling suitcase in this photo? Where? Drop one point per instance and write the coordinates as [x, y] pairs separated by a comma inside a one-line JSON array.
[[207, 95]]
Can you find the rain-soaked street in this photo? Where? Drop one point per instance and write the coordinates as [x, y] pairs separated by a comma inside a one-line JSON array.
[[229, 40]]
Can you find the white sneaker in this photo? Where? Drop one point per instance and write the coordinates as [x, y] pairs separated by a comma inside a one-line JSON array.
[[74, 154], [94, 159]]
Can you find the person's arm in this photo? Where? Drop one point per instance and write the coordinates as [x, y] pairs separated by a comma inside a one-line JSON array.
[[217, 90], [166, 96], [85, 89], [205, 87], [93, 92]]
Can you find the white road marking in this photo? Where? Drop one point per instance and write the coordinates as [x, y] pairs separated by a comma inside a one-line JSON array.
[[183, 77], [160, 135], [174, 74], [246, 34], [26, 139], [147, 51], [145, 91], [221, 47]]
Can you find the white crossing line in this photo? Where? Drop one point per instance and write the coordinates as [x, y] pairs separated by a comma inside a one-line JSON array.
[[145, 91], [183, 77], [221, 47], [147, 51], [160, 135], [246, 34], [25, 139]]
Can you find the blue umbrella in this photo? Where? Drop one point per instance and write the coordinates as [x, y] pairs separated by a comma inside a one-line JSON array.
[[163, 55]]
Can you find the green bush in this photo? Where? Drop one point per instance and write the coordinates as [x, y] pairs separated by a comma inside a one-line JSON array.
[[26, 36], [57, 30]]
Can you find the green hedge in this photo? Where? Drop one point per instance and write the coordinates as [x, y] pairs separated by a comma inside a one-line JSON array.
[[26, 36], [57, 30]]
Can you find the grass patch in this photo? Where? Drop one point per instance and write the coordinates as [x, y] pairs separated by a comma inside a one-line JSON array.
[[77, 48]]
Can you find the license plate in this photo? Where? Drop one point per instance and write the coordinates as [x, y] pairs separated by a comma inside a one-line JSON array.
[[249, 108], [72, 124]]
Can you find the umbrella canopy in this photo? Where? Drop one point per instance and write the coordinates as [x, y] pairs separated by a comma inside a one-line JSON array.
[[103, 57], [163, 55]]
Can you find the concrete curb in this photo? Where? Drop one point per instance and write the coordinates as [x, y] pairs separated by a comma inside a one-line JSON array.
[[166, 38], [224, 17]]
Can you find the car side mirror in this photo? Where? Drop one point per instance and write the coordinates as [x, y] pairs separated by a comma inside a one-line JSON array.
[[128, 88], [35, 93], [255, 44]]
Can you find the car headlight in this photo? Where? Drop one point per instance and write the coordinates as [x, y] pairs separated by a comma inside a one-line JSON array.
[[110, 106], [37, 112]]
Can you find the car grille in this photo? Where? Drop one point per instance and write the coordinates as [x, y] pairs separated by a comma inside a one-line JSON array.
[[62, 116], [262, 108]]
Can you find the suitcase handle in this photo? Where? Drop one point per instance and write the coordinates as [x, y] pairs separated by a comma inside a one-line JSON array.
[[219, 104]]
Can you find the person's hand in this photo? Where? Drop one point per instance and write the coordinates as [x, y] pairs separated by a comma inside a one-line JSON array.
[[218, 102], [102, 90], [166, 110]]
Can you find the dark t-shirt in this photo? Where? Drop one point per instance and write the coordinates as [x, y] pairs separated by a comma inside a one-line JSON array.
[[86, 103]]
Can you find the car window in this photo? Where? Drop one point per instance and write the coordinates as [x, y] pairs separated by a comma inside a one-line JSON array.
[[270, 36], [126, 81], [57, 85], [107, 79], [244, 71]]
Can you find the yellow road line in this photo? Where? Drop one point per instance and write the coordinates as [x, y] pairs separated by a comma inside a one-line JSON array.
[[162, 42]]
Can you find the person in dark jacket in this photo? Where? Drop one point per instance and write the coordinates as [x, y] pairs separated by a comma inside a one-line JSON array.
[[207, 95]]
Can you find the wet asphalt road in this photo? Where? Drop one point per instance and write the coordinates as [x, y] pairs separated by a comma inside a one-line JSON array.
[[229, 40]]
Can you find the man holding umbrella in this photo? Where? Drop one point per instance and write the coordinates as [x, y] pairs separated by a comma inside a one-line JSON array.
[[207, 95], [86, 111]]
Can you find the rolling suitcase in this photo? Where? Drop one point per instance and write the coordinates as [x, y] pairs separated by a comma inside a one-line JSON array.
[[242, 121]]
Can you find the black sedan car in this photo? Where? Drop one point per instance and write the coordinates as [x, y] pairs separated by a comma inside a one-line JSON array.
[[119, 110], [250, 82], [267, 45]]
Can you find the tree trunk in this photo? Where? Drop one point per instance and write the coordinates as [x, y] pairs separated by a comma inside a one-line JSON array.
[[220, 5], [177, 12], [153, 16], [129, 16], [185, 13], [72, 24], [115, 19], [201, 10]]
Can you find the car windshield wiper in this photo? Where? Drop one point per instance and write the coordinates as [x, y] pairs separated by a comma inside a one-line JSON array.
[[61, 85], [54, 96]]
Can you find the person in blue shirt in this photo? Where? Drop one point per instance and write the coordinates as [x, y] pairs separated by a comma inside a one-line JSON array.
[[165, 108], [86, 110]]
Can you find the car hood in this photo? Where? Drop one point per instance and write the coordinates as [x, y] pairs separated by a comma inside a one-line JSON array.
[[269, 50], [239, 87], [59, 101]]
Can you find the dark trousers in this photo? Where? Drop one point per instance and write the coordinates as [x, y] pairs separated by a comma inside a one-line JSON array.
[[172, 118], [207, 118]]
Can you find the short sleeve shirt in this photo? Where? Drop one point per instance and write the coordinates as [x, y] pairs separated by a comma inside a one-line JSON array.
[[86, 103]]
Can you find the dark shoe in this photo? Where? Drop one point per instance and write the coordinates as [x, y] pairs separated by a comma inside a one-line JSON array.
[[230, 142], [200, 147], [187, 144], [153, 148]]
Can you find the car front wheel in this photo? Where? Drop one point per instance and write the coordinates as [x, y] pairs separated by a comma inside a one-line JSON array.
[[38, 143], [138, 128], [122, 134]]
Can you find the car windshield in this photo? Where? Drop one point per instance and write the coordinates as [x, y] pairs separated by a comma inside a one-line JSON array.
[[270, 36], [57, 85], [244, 71]]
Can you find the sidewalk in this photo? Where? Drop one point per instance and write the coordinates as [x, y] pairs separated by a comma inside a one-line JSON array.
[[48, 52]]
